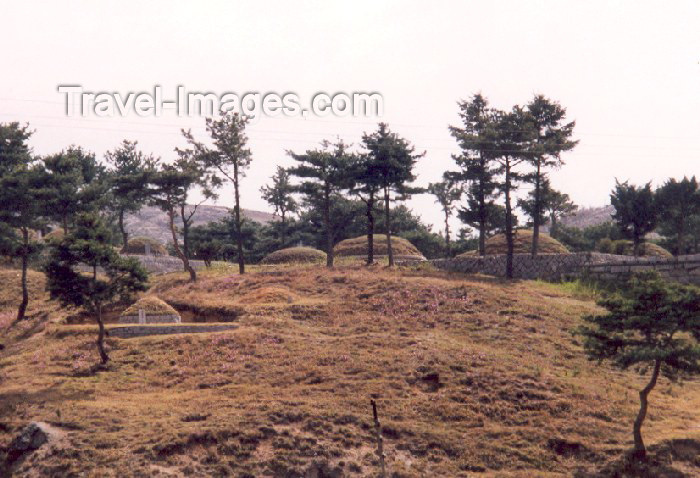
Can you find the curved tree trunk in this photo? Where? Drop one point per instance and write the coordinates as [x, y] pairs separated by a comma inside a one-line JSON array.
[[387, 219], [101, 336], [639, 448], [25, 260], [185, 262]]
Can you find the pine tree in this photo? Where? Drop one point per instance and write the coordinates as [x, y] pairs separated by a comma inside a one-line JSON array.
[[553, 137], [554, 206], [280, 195], [513, 133], [367, 183], [325, 173], [652, 324], [446, 193], [78, 185], [476, 138], [170, 187], [635, 211], [127, 179], [678, 202], [111, 276], [230, 157], [23, 200], [393, 159]]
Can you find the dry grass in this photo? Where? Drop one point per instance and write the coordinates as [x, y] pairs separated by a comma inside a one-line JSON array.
[[470, 374], [137, 245], [295, 255], [522, 244], [151, 305], [358, 246]]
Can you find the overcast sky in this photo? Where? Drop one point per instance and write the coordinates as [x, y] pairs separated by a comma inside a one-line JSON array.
[[628, 72]]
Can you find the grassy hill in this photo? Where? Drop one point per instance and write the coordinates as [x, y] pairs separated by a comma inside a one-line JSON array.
[[472, 376]]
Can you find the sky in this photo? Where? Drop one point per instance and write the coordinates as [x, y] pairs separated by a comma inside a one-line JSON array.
[[628, 73]]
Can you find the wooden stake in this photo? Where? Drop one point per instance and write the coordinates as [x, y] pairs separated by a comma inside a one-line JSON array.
[[380, 444]]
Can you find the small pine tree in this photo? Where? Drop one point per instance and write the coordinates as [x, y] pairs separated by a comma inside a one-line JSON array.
[[446, 193], [110, 276], [280, 195], [635, 211], [653, 324]]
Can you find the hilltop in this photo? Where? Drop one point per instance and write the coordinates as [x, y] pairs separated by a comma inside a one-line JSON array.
[[471, 375], [587, 217], [153, 223]]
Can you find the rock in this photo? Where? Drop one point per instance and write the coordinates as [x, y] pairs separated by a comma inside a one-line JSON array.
[[31, 438]]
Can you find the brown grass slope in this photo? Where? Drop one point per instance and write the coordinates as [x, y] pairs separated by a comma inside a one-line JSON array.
[[295, 255], [470, 375], [358, 246]]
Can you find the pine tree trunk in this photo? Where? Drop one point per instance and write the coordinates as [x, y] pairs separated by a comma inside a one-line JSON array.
[[122, 230], [509, 225], [101, 336], [25, 260], [239, 239], [370, 229], [387, 216], [327, 224], [482, 212], [636, 245], [538, 207], [283, 232], [185, 233], [640, 451], [178, 251], [447, 233]]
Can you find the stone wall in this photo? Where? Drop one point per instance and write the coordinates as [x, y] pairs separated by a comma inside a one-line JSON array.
[[129, 331], [150, 319], [684, 269]]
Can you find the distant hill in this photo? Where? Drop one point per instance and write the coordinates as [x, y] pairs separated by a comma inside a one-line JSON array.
[[152, 222], [587, 216]]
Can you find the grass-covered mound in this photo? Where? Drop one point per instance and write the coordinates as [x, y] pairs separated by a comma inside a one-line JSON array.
[[151, 305], [295, 255], [358, 247], [522, 244], [137, 246], [625, 247]]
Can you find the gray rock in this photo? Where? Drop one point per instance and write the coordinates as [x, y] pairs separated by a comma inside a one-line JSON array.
[[31, 438]]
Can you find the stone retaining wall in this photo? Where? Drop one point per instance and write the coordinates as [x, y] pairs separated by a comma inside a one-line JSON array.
[[684, 269], [130, 331], [150, 319]]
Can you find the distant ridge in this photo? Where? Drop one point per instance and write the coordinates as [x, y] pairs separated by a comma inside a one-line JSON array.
[[587, 217], [152, 222]]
